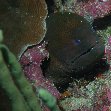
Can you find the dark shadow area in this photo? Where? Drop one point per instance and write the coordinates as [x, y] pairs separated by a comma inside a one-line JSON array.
[[50, 6], [4, 101], [45, 65], [102, 23]]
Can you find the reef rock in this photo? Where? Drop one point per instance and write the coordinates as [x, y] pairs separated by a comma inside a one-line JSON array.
[[31, 61]]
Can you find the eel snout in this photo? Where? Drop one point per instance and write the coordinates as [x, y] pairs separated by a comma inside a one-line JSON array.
[[86, 61]]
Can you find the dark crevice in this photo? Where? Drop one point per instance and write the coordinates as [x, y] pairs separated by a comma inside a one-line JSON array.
[[50, 6], [102, 23], [45, 65]]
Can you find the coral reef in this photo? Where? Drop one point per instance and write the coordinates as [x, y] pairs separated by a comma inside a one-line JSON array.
[[94, 97], [90, 9], [22, 22]]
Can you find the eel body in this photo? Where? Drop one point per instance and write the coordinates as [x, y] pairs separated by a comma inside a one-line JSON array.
[[73, 45]]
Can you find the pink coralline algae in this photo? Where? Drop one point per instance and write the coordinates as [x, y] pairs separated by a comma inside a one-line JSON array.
[[93, 8], [96, 96], [108, 50], [31, 61]]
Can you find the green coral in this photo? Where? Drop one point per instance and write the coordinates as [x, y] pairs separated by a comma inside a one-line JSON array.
[[19, 91], [17, 87], [48, 99], [1, 37]]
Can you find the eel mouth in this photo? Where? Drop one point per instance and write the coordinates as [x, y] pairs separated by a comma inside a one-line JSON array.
[[88, 51], [88, 58]]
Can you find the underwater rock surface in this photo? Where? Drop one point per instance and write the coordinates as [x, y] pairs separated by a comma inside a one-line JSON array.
[[31, 61], [73, 45]]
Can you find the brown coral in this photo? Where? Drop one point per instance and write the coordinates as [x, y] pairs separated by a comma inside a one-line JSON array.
[[22, 22]]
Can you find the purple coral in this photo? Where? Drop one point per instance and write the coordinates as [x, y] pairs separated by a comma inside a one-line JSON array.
[[31, 62], [93, 8], [108, 50]]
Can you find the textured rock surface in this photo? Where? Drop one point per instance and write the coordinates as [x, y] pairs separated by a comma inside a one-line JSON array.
[[23, 22], [31, 61], [90, 9], [96, 96]]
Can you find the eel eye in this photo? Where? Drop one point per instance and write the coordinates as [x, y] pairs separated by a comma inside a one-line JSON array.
[[76, 41]]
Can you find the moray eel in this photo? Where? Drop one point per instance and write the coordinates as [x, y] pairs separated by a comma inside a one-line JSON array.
[[73, 45]]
